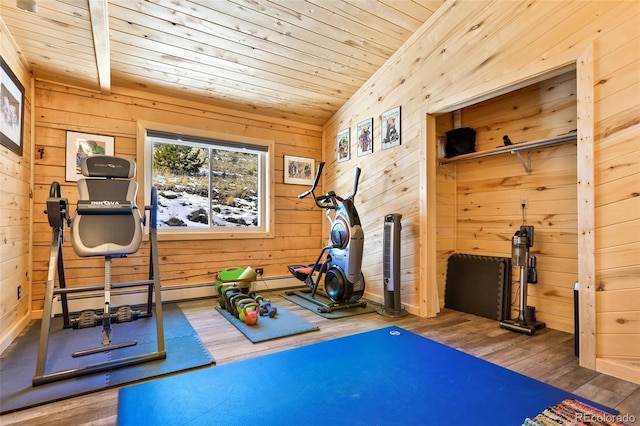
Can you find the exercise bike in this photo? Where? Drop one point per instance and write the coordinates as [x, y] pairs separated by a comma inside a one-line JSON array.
[[340, 261]]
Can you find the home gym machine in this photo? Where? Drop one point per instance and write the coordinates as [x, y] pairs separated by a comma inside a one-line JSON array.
[[521, 256], [107, 224], [340, 261]]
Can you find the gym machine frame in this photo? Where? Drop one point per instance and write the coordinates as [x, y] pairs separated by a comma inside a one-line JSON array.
[[58, 215], [342, 262]]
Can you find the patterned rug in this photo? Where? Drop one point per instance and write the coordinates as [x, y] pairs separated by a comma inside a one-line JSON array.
[[575, 413]]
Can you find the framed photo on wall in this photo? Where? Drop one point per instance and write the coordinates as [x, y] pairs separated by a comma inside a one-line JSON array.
[[343, 145], [390, 128], [365, 137], [12, 115], [81, 145], [299, 170]]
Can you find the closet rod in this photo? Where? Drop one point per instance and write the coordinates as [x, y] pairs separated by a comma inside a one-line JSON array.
[[513, 149]]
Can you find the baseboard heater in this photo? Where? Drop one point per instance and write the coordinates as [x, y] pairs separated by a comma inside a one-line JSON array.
[[479, 285], [173, 293]]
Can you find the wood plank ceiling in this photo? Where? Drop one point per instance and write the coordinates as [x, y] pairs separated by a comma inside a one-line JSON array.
[[293, 59]]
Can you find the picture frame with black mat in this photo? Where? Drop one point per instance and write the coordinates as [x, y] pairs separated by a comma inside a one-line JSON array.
[[12, 111]]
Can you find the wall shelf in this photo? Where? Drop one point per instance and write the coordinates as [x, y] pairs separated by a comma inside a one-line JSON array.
[[514, 149]]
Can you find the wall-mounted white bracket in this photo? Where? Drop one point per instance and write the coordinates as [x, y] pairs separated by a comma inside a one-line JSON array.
[[527, 165], [447, 172]]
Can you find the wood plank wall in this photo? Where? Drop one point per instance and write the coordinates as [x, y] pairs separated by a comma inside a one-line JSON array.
[[486, 197], [15, 213], [446, 220], [617, 199], [60, 108], [467, 51]]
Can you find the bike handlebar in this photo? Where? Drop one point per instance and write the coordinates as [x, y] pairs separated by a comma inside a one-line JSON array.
[[328, 201], [315, 182], [54, 190], [355, 183]]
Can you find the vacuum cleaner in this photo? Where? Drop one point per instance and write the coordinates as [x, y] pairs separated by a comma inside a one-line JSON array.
[[521, 256]]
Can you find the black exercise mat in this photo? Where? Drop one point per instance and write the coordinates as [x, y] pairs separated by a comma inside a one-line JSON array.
[[285, 323], [479, 285], [341, 313], [184, 349]]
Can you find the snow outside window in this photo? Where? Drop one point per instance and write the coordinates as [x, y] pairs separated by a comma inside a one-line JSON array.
[[208, 185]]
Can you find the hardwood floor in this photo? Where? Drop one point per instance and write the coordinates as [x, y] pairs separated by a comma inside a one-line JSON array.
[[547, 356]]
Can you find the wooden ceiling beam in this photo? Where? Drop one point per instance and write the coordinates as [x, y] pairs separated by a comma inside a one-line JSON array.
[[100, 30]]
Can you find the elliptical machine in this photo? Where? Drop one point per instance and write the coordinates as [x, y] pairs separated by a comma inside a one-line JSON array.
[[340, 261]]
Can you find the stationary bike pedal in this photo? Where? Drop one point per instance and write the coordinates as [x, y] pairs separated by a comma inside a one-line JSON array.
[[86, 319]]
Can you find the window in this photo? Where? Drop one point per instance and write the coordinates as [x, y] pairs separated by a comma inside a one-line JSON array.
[[209, 186]]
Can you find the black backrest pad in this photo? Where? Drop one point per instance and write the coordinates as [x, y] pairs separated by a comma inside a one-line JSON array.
[[107, 190], [97, 230], [108, 166]]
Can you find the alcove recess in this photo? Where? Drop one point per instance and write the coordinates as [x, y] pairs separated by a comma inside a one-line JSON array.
[[479, 195]]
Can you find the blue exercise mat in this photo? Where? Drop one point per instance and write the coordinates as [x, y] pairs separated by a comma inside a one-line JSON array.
[[388, 376], [184, 349]]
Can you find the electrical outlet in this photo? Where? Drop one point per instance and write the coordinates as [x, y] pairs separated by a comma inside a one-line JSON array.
[[19, 292], [524, 203], [259, 271]]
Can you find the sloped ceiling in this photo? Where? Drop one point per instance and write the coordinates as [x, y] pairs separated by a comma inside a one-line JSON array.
[[293, 59]]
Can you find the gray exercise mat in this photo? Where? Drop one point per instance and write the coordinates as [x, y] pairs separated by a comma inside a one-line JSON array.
[[285, 323], [184, 348]]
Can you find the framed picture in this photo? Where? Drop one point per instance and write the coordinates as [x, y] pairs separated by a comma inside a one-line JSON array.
[[81, 145], [299, 170], [12, 116], [343, 145], [390, 128], [365, 137]]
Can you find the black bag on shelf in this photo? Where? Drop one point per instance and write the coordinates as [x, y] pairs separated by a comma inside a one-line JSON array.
[[460, 141]]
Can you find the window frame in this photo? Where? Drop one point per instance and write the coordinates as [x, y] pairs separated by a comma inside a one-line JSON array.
[[145, 153]]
